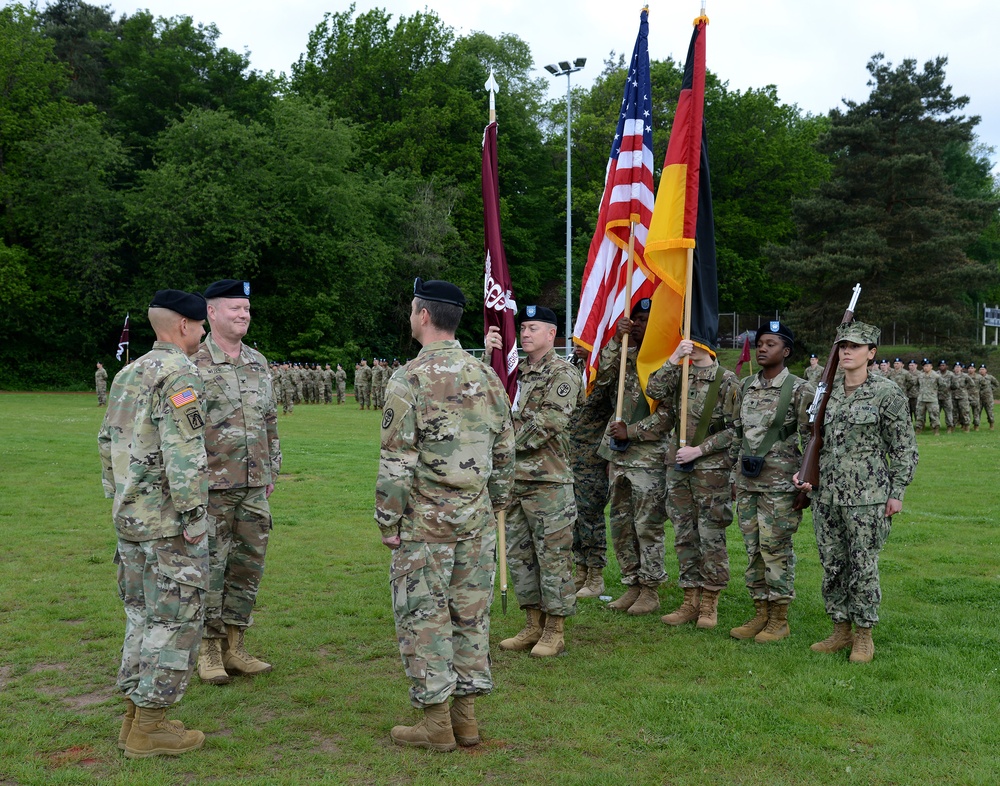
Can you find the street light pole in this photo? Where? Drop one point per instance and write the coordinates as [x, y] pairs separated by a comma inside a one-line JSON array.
[[564, 67]]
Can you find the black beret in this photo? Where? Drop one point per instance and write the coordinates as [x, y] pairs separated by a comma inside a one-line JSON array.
[[228, 287], [540, 314], [927, 362], [186, 304], [943, 363], [813, 355], [439, 292], [776, 328], [643, 306]]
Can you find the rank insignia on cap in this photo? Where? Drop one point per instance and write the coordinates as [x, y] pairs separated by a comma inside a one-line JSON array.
[[183, 398], [246, 288], [775, 325], [530, 311]]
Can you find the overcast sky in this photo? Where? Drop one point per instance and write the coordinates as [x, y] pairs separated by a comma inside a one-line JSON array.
[[814, 52]]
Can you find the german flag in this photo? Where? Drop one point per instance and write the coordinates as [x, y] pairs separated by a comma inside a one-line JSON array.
[[682, 219]]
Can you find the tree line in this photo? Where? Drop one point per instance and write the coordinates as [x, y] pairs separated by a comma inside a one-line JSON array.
[[136, 154]]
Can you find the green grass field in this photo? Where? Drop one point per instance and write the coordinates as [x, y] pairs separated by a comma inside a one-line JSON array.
[[632, 702]]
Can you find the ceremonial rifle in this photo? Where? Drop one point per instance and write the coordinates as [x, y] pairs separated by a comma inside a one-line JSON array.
[[809, 471]]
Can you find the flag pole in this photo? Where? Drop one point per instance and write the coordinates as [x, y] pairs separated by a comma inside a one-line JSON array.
[[628, 315], [685, 367]]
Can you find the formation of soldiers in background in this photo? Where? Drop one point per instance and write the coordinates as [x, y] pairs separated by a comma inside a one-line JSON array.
[[962, 393]]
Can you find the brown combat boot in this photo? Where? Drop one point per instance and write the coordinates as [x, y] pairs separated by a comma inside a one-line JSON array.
[[237, 659], [840, 639], [864, 648], [433, 731], [210, 668], [579, 577], [937, 431], [752, 627], [647, 602], [625, 601], [687, 611], [153, 735], [777, 624], [552, 641], [129, 719], [529, 635], [463, 721], [708, 613], [595, 584]]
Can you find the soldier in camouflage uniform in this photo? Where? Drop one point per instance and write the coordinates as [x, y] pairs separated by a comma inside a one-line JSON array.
[[960, 394], [541, 516], [814, 371], [766, 500], [945, 402], [363, 384], [328, 377], [244, 457], [101, 383], [590, 485], [638, 473], [912, 389], [975, 404], [386, 374], [987, 392], [867, 460], [446, 468], [152, 447], [379, 378], [927, 398], [699, 500], [340, 377], [287, 391]]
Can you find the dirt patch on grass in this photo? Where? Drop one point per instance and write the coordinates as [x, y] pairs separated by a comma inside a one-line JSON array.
[[88, 699], [78, 754], [329, 745], [38, 667], [4, 676]]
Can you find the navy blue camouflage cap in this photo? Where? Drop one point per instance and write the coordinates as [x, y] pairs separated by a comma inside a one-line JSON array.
[[187, 304], [539, 314], [228, 287], [438, 292]]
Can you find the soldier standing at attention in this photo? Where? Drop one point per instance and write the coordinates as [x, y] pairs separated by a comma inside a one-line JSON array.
[[340, 377], [244, 457], [638, 473], [944, 395], [699, 498], [152, 446], [101, 383], [867, 460], [446, 468], [912, 389], [975, 403], [960, 392], [987, 391], [774, 417], [814, 370], [541, 516], [363, 384], [927, 398]]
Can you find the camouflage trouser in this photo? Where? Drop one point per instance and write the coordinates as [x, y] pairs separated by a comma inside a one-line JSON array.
[[540, 544], [964, 411], [849, 541], [590, 488], [638, 512], [976, 406], [362, 393], [377, 396], [700, 507], [298, 393], [928, 410], [239, 522], [327, 393], [944, 403], [102, 395], [341, 392], [441, 597], [987, 402], [287, 399], [913, 407], [768, 521], [162, 583]]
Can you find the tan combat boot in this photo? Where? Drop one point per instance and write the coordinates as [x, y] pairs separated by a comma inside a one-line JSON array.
[[237, 659], [129, 719], [625, 601], [579, 577], [864, 648], [433, 731], [752, 627], [595, 584], [529, 635], [937, 431], [708, 613], [210, 668], [687, 611], [463, 721], [153, 735], [777, 624], [840, 639], [552, 641], [647, 602]]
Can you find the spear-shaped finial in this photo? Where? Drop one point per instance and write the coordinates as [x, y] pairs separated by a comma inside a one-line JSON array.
[[494, 88]]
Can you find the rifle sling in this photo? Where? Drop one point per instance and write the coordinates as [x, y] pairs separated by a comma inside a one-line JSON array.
[[777, 430]]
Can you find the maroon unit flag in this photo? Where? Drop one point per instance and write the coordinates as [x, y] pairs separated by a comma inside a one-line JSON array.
[[498, 303], [744, 355], [123, 341]]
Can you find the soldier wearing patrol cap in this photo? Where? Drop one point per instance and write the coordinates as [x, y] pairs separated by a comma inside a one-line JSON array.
[[541, 517], [773, 419], [814, 371], [244, 457], [867, 460], [152, 446]]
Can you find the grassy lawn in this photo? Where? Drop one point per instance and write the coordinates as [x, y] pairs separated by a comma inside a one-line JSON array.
[[633, 702]]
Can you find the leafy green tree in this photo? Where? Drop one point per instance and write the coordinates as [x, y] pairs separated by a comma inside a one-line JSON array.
[[81, 34]]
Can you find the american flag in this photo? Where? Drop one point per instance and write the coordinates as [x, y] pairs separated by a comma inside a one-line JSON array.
[[627, 200], [186, 396]]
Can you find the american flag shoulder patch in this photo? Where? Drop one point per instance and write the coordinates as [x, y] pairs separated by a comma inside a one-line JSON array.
[[183, 398]]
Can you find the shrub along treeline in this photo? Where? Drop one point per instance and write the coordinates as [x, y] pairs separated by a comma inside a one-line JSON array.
[[136, 154]]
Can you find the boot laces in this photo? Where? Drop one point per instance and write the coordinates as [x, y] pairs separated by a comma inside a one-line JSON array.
[[214, 655]]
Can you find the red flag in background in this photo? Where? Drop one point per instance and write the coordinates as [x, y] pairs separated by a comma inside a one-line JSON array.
[[123, 341], [744, 355], [498, 302]]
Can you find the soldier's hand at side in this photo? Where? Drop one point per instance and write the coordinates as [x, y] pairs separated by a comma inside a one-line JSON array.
[[391, 542], [688, 453], [892, 507], [618, 430], [195, 524]]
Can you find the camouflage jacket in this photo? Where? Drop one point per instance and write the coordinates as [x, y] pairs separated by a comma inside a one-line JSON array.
[[944, 383], [101, 378], [547, 392], [927, 387], [378, 374], [812, 374], [241, 432], [987, 387], [962, 387], [757, 410], [869, 449], [647, 431], [340, 376], [903, 379], [363, 375], [152, 444], [587, 427], [447, 458], [716, 448]]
